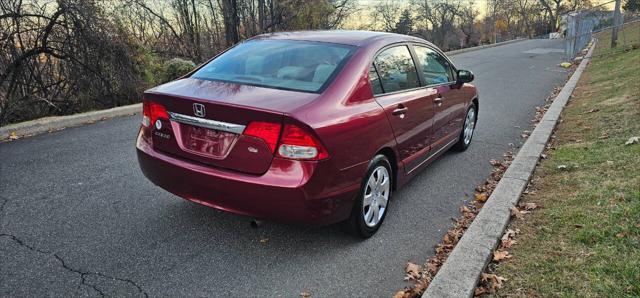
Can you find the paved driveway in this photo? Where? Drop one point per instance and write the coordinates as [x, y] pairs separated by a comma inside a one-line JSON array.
[[78, 218]]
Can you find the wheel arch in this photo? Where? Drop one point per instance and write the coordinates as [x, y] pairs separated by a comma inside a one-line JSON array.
[[476, 102]]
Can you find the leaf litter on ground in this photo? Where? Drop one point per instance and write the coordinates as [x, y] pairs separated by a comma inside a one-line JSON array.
[[421, 276]]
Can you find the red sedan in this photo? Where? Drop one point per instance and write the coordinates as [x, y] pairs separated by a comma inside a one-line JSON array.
[[310, 127]]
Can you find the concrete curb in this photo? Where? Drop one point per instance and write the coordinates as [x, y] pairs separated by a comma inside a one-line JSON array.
[[459, 274], [56, 123], [42, 125], [460, 51]]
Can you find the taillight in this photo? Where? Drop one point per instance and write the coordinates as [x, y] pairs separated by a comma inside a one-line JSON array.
[[151, 112], [294, 143], [297, 143], [268, 132]]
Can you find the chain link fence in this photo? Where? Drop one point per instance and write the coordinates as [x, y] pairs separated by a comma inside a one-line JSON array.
[[579, 27]]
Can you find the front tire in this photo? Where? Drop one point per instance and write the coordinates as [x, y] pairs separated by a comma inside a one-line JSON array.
[[372, 203], [468, 128]]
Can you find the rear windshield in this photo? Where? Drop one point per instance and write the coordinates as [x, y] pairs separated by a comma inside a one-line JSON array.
[[282, 64]]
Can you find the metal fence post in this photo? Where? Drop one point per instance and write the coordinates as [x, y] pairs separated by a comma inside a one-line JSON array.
[[616, 23]]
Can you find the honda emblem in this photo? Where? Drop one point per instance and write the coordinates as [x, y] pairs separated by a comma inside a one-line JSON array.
[[198, 109]]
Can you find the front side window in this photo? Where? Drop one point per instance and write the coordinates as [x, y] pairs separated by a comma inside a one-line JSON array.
[[435, 68], [396, 69], [283, 64]]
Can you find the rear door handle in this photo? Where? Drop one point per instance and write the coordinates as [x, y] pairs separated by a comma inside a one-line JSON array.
[[400, 110], [439, 100]]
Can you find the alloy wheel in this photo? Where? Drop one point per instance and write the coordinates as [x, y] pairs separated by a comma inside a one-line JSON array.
[[376, 196], [469, 125]]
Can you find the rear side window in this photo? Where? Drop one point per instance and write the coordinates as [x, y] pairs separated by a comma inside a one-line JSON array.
[[376, 85], [435, 68], [396, 70], [282, 64]]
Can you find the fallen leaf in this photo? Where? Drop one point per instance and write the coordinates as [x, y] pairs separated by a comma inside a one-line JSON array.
[[497, 282], [412, 270], [452, 236], [508, 243], [621, 234], [305, 294], [481, 197], [264, 240], [399, 294], [509, 234], [632, 140], [500, 255], [432, 268], [13, 136], [592, 111], [529, 206], [578, 226], [562, 167], [515, 212], [480, 291]]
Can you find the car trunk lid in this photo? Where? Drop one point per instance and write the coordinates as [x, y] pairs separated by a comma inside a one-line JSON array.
[[207, 127]]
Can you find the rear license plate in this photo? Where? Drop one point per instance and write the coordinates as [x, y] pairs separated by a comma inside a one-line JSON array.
[[207, 141]]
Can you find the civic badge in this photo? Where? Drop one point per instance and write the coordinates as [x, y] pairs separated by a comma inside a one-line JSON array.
[[198, 110]]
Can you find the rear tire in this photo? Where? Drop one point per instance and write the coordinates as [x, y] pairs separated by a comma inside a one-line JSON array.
[[468, 128], [372, 203]]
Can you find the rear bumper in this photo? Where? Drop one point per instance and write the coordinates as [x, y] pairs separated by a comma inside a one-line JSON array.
[[290, 191]]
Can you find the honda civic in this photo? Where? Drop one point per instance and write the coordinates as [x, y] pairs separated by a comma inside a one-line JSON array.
[[315, 127]]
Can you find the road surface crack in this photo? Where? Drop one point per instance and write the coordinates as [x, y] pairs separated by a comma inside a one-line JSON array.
[[23, 244], [83, 275]]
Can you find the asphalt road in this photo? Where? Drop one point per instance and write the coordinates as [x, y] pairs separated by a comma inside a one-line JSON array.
[[77, 217]]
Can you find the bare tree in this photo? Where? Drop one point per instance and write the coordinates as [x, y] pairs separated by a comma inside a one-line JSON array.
[[386, 13], [440, 16], [467, 24], [527, 9], [61, 56]]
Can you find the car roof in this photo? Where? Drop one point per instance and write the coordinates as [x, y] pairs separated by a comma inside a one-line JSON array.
[[347, 37]]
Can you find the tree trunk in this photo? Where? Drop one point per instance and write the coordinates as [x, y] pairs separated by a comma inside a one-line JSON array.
[[261, 16], [231, 21]]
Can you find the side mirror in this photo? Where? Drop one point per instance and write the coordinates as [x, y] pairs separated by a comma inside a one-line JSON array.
[[465, 76]]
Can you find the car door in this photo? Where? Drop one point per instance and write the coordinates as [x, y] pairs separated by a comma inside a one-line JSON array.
[[438, 75], [398, 90]]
